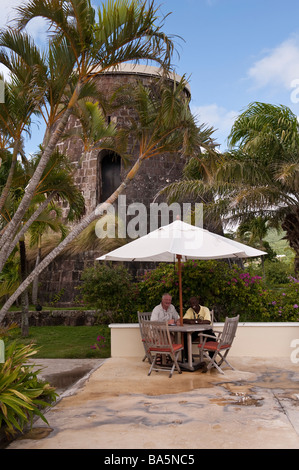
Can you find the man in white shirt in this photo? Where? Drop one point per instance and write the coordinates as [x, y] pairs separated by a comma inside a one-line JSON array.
[[165, 311]]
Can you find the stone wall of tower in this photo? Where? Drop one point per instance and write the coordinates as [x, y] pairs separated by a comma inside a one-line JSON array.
[[63, 275], [154, 173]]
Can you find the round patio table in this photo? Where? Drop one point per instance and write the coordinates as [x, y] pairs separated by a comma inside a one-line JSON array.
[[189, 329]]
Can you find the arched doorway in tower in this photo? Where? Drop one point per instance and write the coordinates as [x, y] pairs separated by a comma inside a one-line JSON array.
[[110, 168]]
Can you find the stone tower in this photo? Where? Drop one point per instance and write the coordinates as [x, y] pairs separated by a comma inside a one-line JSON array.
[[99, 172]]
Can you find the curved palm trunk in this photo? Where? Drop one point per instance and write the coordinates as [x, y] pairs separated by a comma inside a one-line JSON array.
[[72, 235], [24, 295], [9, 246]]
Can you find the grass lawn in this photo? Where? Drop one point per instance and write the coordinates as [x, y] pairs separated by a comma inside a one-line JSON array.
[[67, 342]]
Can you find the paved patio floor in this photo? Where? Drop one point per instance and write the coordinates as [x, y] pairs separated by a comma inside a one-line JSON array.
[[118, 406]]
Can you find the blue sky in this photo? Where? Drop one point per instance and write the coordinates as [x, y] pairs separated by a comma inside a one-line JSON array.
[[234, 52]]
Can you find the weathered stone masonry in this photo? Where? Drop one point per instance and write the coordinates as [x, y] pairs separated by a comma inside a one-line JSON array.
[[63, 275]]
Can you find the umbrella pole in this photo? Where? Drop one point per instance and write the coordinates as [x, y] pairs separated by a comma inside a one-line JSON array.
[[179, 257]]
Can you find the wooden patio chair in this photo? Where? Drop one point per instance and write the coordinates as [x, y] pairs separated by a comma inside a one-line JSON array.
[[144, 316], [158, 341], [198, 339], [221, 347]]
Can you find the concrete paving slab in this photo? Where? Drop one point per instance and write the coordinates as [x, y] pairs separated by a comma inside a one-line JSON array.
[[118, 406]]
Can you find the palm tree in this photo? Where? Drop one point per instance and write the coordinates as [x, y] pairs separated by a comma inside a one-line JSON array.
[[9, 277], [166, 126], [83, 47], [24, 295], [44, 223], [257, 179], [260, 177], [57, 184], [253, 232], [268, 129], [94, 133], [15, 114], [197, 183]]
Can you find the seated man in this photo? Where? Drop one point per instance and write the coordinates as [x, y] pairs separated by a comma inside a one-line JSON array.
[[196, 314], [165, 311]]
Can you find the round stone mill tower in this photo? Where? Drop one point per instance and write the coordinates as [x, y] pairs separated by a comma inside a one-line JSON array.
[[99, 172]]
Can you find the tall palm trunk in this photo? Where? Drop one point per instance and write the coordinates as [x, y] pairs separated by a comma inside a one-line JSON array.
[[24, 296], [35, 280]]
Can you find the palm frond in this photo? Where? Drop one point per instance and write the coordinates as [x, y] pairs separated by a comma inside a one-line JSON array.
[[263, 125], [288, 174], [185, 190]]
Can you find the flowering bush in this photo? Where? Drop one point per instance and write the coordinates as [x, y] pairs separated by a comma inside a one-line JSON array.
[[284, 305], [228, 290], [101, 343]]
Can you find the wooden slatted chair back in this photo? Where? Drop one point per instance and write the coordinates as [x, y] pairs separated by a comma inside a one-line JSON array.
[[157, 335], [229, 331], [142, 317]]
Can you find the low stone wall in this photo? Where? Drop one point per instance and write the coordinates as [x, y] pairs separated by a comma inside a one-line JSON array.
[[54, 318]]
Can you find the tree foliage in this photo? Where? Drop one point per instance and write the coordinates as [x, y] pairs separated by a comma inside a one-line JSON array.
[[111, 291], [257, 179], [81, 45]]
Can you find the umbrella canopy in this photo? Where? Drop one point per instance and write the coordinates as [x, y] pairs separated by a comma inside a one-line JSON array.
[[180, 240]]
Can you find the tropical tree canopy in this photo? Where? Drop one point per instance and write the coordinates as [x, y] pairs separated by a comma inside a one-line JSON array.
[[257, 179], [197, 183], [79, 47], [267, 140], [124, 31]]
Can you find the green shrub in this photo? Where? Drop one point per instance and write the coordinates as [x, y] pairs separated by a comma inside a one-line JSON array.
[[22, 394], [110, 289], [284, 302], [228, 290], [276, 272]]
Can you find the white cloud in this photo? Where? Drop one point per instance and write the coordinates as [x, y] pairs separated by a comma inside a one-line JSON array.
[[279, 67], [219, 118], [36, 28]]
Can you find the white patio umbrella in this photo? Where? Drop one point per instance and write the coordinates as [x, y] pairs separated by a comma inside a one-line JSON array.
[[180, 241]]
